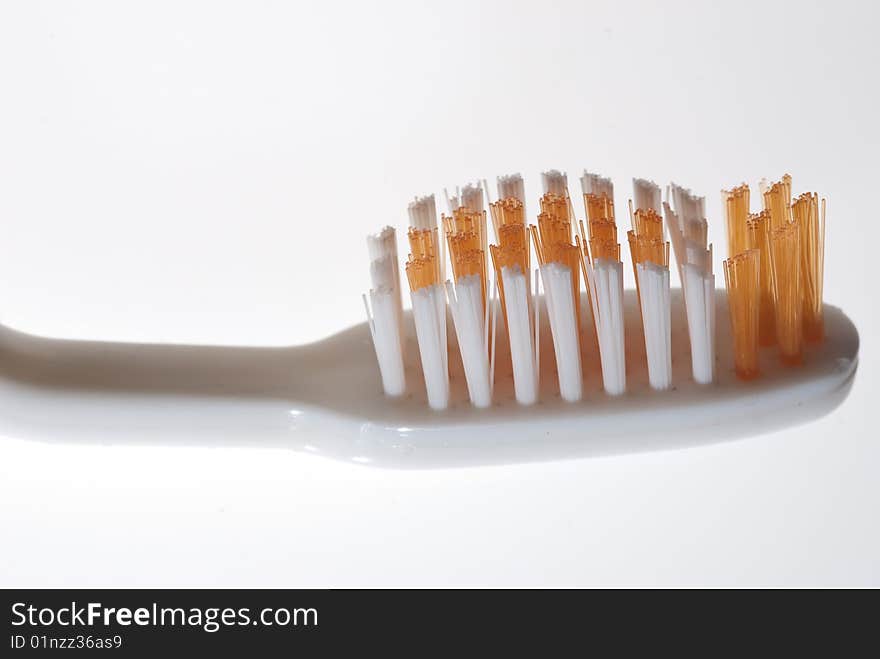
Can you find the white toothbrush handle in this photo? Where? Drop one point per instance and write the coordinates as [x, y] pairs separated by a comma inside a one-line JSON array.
[[57, 388]]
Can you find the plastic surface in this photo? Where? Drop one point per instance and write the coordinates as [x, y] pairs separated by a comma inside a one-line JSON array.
[[326, 397]]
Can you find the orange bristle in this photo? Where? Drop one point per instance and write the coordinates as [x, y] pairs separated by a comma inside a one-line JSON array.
[[777, 201], [809, 214], [759, 239], [422, 266], [466, 238], [598, 207], [736, 209], [785, 260], [646, 242], [508, 211], [741, 273]]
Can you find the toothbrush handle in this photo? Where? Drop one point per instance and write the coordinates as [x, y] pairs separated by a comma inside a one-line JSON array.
[[58, 389]]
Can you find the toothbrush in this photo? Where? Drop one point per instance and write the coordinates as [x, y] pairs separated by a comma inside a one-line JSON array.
[[330, 398]]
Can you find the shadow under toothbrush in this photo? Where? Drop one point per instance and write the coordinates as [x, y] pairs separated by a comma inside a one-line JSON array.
[[326, 398]]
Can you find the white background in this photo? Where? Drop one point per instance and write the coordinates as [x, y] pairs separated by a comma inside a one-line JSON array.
[[205, 173]]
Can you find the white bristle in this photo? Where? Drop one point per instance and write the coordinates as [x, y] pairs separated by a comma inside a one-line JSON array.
[[691, 210], [676, 237], [423, 213], [511, 186], [699, 296], [655, 303], [537, 324], [494, 303], [555, 182], [385, 311], [597, 185], [471, 329], [470, 197], [384, 267], [382, 244], [519, 327], [429, 313], [563, 325], [384, 323], [474, 310], [605, 279], [697, 256], [382, 274], [690, 213], [382, 248], [647, 195], [688, 233]]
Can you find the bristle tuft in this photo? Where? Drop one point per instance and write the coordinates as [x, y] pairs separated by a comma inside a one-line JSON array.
[[741, 273]]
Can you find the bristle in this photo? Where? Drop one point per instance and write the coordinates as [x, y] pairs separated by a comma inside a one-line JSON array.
[[785, 261], [598, 208], [384, 268], [423, 213], [471, 324], [382, 245], [512, 250], [385, 332], [556, 207], [605, 279], [648, 224], [469, 197], [429, 311], [741, 274], [647, 195], [646, 248], [606, 250], [759, 239], [466, 238], [511, 187], [423, 265], [516, 297], [599, 254], [777, 201], [691, 211], [493, 303], [656, 319], [736, 212], [603, 243], [688, 234], [646, 243], [597, 186], [688, 227], [650, 258], [698, 285], [561, 303], [774, 275], [810, 217], [559, 262], [511, 260], [385, 311], [788, 243], [555, 182], [507, 211], [512, 263]]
